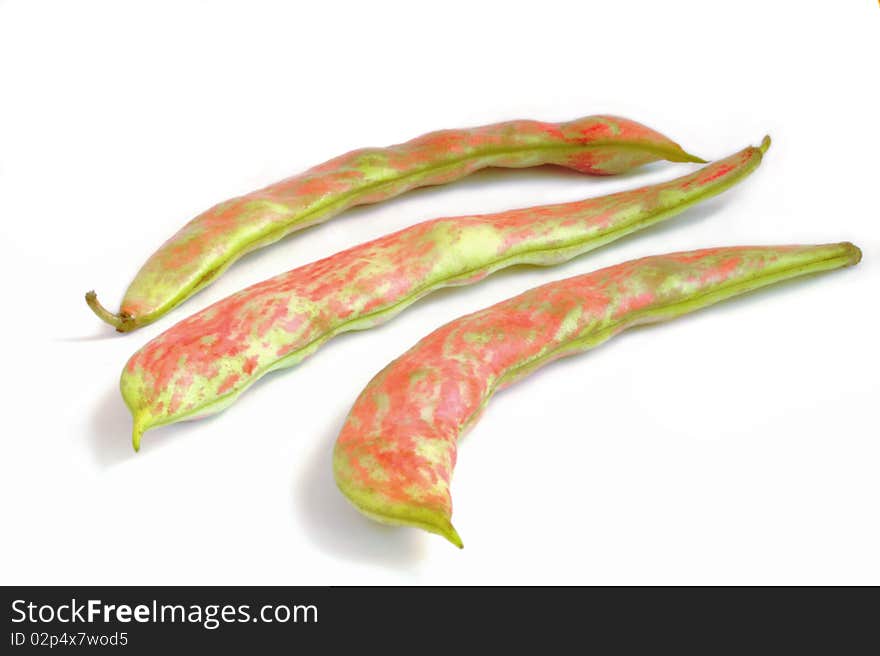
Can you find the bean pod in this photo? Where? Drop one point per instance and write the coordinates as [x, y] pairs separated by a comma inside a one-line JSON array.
[[395, 455], [200, 365], [201, 250]]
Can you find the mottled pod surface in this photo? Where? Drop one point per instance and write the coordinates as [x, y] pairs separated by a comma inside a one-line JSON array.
[[200, 365], [395, 455], [201, 250]]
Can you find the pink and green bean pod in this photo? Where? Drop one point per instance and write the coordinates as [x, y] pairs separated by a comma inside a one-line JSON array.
[[202, 249], [395, 455], [201, 365]]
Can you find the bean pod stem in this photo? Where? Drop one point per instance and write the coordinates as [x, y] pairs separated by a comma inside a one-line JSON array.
[[203, 249], [200, 365], [395, 454]]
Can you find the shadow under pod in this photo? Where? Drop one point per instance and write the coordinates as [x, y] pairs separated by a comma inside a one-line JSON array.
[[110, 433]]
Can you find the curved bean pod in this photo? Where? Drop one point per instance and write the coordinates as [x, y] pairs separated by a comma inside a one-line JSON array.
[[395, 455], [200, 365], [201, 250]]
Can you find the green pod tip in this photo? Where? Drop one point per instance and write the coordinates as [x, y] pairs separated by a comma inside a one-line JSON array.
[[855, 253], [689, 158], [137, 431], [448, 531]]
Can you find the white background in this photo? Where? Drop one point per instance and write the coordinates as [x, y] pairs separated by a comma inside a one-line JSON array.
[[739, 445]]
